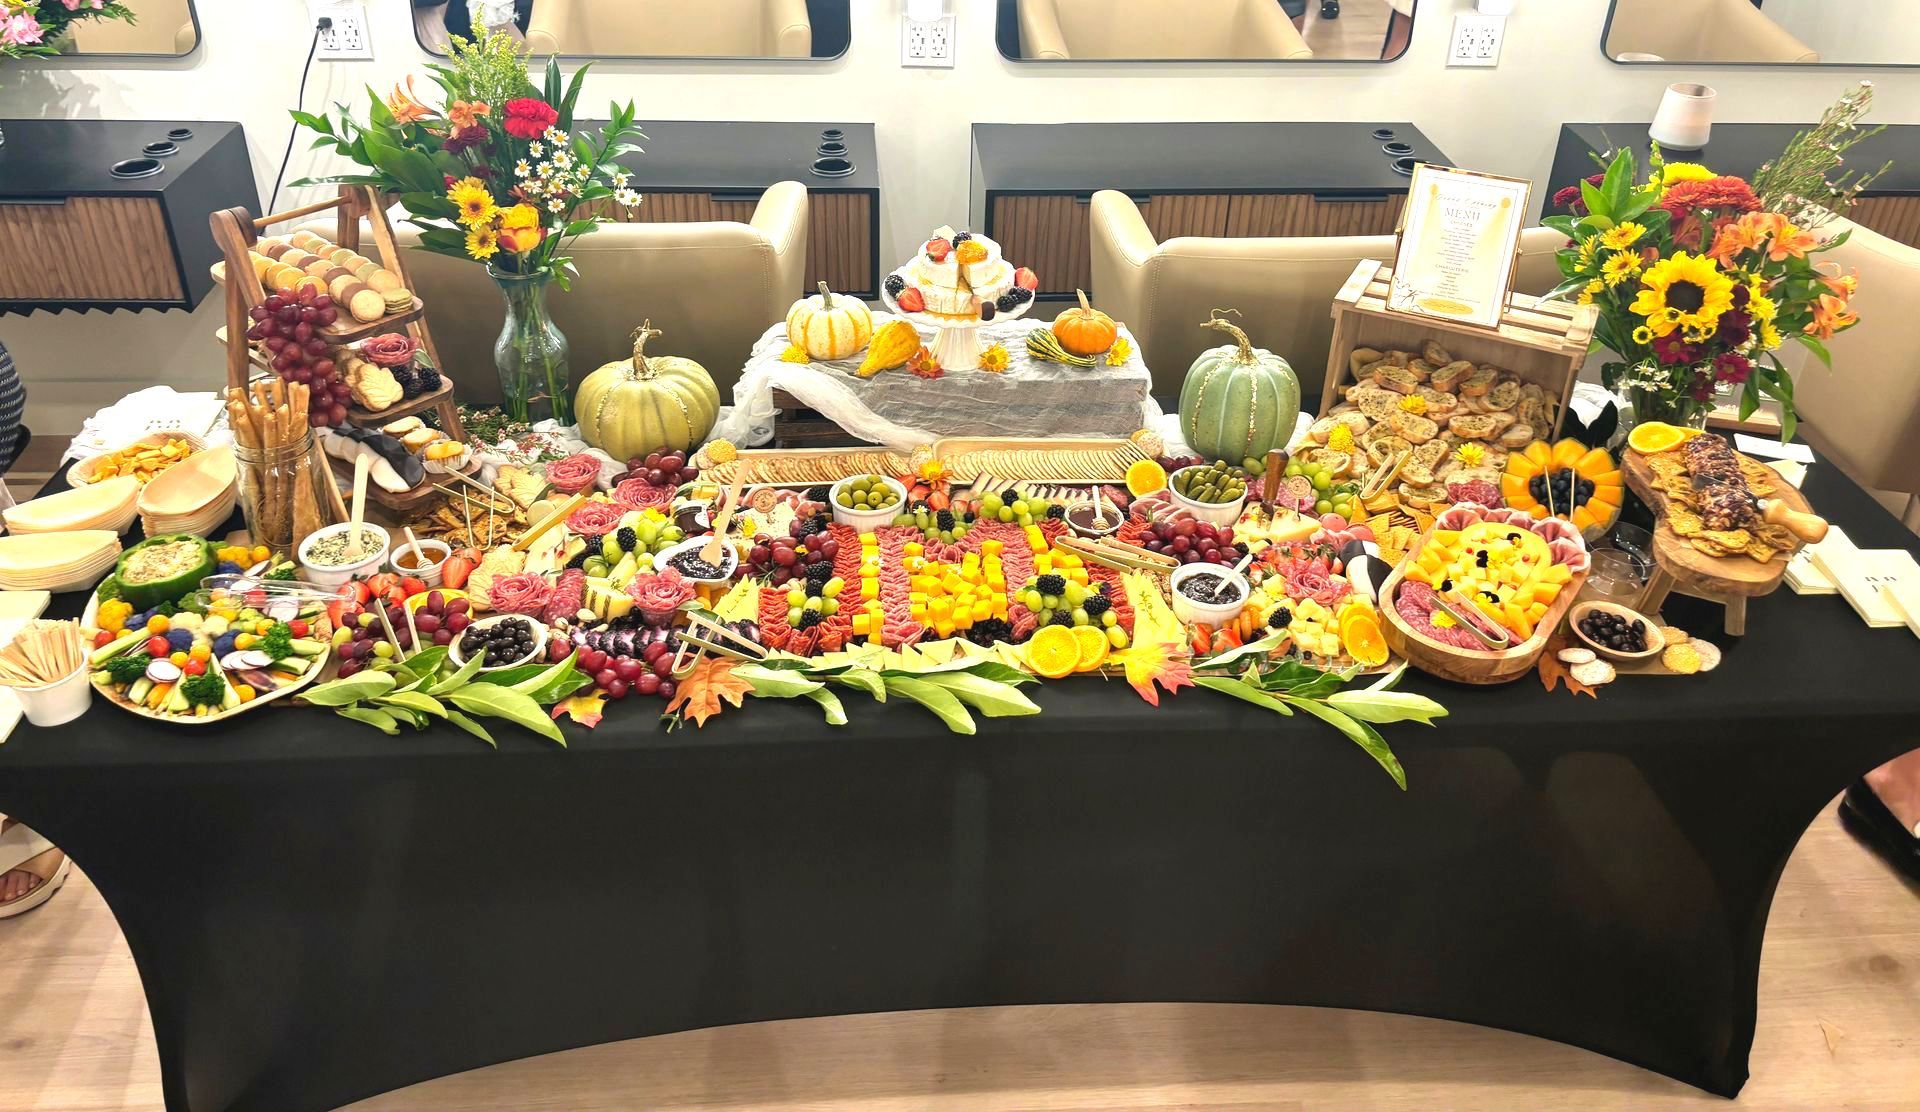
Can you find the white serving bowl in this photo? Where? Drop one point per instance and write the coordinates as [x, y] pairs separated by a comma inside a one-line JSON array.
[[866, 521], [59, 702], [433, 554], [333, 577], [1213, 614], [729, 558], [1217, 513], [539, 652]]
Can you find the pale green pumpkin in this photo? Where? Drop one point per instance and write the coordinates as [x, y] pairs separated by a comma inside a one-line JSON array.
[[1238, 401], [631, 407]]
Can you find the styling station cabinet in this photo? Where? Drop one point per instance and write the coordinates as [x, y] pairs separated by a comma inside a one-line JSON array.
[[1890, 206], [717, 170], [112, 214], [1031, 183]]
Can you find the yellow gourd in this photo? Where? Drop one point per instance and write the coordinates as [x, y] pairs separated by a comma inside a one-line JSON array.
[[893, 344], [829, 327], [631, 407]]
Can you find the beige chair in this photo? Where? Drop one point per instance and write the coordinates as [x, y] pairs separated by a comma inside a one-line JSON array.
[[712, 288], [1284, 287], [1059, 30], [1702, 31], [672, 28], [165, 27], [1865, 414]]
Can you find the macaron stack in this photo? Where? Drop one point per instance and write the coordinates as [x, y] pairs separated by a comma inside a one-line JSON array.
[[356, 283]]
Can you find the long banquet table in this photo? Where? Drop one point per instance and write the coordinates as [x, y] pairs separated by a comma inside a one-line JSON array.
[[320, 912]]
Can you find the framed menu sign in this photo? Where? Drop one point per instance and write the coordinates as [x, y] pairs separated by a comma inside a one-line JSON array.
[[1458, 237]]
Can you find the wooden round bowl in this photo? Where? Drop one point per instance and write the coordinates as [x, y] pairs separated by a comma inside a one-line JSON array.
[[1656, 641], [1478, 666]]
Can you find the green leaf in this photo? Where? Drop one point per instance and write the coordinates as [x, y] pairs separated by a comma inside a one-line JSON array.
[[572, 95], [1245, 692], [414, 701], [1364, 735], [426, 662], [776, 683], [1258, 647], [867, 681], [1814, 345], [1000, 673], [936, 699], [1595, 200], [355, 688], [472, 727], [499, 702], [829, 702], [1749, 398], [989, 697], [1561, 224], [459, 679], [1383, 707], [379, 719], [1570, 286], [548, 685]]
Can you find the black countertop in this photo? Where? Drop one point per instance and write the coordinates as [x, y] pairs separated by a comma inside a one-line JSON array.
[[70, 158], [1327, 158], [1740, 148], [693, 155]]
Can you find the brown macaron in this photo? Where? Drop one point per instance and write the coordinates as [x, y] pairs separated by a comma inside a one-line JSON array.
[[274, 248]]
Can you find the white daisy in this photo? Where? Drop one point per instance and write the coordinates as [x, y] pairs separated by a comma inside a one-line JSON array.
[[562, 160], [556, 205], [521, 169], [555, 135], [536, 150], [627, 197], [621, 178]]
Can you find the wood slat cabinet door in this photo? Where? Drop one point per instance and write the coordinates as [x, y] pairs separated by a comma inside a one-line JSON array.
[[1894, 216], [1303, 214], [87, 249], [1047, 233]]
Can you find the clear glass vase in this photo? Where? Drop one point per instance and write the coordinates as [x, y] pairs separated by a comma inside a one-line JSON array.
[[531, 354]]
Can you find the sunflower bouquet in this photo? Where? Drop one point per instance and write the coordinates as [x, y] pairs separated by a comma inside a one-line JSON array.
[[1701, 278]]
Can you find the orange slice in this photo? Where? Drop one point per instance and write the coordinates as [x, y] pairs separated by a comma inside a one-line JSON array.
[[1053, 652], [1360, 633], [1093, 644], [1146, 477], [1654, 437]]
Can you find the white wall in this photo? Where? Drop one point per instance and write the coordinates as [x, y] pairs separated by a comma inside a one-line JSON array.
[[1502, 120], [1853, 31]]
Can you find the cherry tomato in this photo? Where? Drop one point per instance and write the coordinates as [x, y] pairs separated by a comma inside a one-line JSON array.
[[298, 627], [103, 638], [158, 646], [194, 666]]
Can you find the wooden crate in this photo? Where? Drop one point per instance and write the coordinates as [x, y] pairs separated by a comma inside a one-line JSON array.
[[1543, 342]]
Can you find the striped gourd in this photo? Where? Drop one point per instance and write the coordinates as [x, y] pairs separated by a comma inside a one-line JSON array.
[[631, 407], [1238, 401], [829, 327]]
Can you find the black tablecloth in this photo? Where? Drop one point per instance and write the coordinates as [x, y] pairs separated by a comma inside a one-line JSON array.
[[320, 912]]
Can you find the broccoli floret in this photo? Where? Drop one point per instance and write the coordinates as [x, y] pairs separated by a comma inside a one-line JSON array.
[[108, 590], [276, 642], [205, 689], [127, 669], [284, 571]]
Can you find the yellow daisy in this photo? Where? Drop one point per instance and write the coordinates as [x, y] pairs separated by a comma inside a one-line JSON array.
[[1685, 291], [1588, 247], [470, 196], [1675, 172], [1620, 267], [1119, 353], [483, 242], [1769, 336], [1593, 287], [1643, 335], [1622, 236], [995, 359], [1762, 308], [1470, 454], [1413, 403]]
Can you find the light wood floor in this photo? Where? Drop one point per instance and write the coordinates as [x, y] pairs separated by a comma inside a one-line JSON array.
[[1360, 31], [1839, 1025]]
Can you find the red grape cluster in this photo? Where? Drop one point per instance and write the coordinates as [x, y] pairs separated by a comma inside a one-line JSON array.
[[661, 469], [782, 559], [289, 328], [441, 619], [616, 676], [1194, 542]]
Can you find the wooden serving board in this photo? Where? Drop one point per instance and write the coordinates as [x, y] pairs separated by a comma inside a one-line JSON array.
[[1693, 571], [1478, 666]]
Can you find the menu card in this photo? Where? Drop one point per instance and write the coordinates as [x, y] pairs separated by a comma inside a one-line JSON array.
[[1864, 577], [1807, 577], [1457, 242]]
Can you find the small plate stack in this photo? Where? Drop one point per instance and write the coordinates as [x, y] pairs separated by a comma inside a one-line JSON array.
[[193, 496], [109, 504], [70, 561]]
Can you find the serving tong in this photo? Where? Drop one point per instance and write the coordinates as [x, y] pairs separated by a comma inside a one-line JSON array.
[[1466, 614]]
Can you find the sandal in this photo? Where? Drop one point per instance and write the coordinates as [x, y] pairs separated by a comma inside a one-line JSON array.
[[24, 850]]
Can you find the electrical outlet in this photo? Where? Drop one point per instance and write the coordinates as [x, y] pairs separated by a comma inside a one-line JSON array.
[[1476, 40], [926, 43], [347, 38]]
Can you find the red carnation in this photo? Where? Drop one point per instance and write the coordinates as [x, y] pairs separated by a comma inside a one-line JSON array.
[[529, 118], [464, 140]]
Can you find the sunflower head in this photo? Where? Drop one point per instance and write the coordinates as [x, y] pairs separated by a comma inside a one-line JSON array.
[[483, 242], [1684, 291], [475, 203], [1622, 236]]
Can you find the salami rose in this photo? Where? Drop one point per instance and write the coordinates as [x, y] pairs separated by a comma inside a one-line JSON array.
[[660, 593], [394, 349], [595, 519], [520, 592], [641, 494], [569, 594], [1474, 490], [575, 473]]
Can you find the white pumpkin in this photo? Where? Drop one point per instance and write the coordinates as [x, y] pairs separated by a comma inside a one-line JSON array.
[[827, 326]]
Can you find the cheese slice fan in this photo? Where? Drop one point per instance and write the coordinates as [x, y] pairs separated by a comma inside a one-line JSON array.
[[105, 504], [190, 485]]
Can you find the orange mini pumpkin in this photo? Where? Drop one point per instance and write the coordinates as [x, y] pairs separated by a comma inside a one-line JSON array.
[[1085, 330]]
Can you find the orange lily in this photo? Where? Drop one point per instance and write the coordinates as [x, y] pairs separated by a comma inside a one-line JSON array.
[[463, 114], [406, 106], [1788, 241], [1843, 285], [1830, 315], [1733, 237]]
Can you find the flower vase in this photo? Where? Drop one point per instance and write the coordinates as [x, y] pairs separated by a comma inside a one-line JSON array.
[[1642, 405], [531, 353]]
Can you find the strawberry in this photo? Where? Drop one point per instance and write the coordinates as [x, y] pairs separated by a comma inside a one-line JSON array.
[[938, 249], [911, 300], [1026, 279]]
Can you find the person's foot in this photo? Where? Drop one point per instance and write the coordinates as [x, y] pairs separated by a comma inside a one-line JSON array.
[[19, 882], [1869, 821]]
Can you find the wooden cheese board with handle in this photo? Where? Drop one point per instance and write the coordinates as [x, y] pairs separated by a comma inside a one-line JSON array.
[[1730, 580]]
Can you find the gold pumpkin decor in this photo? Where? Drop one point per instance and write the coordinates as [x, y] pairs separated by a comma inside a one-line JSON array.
[[829, 326], [894, 343], [631, 407]]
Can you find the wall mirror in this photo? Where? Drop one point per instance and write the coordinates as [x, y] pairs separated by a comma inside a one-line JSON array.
[[156, 29], [1763, 32], [780, 30], [1203, 30]]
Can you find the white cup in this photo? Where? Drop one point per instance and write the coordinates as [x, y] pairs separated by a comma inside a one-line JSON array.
[[1685, 118], [59, 702]]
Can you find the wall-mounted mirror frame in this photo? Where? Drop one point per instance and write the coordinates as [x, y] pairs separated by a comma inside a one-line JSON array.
[[1781, 43], [831, 24], [178, 23], [1396, 31]]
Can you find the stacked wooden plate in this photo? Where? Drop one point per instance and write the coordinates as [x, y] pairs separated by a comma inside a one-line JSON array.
[[109, 504], [57, 561], [193, 496]]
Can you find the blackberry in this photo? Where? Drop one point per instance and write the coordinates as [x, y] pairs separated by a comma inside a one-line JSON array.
[[1014, 298], [987, 632], [409, 380], [818, 574], [1280, 618], [961, 237], [1056, 512], [819, 494], [894, 284], [1096, 605], [580, 558], [627, 539], [816, 524], [1061, 618], [809, 619], [944, 519], [429, 379], [1051, 584]]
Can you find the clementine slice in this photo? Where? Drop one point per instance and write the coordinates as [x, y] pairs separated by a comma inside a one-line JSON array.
[[1360, 633], [1146, 477], [1093, 644], [1654, 437], [1053, 652]]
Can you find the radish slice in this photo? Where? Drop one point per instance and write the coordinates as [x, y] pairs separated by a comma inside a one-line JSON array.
[[163, 671]]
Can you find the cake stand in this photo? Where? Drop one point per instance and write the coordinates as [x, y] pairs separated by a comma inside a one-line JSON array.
[[956, 340]]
